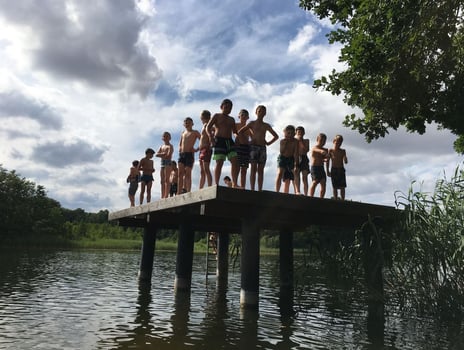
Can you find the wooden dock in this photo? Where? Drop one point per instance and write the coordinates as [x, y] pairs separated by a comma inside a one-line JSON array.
[[227, 210]]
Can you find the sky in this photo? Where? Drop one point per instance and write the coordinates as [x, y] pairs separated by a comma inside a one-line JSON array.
[[86, 86]]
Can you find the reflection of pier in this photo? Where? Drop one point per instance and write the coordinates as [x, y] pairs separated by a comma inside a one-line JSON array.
[[227, 210]]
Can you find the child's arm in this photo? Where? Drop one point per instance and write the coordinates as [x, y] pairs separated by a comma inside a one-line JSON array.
[[274, 134], [345, 158], [327, 164]]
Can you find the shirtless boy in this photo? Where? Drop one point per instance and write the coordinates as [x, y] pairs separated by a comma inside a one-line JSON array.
[[258, 145], [287, 159], [318, 156], [338, 158], [133, 180], [303, 169], [223, 145], [165, 153], [186, 156], [173, 178], [242, 146], [147, 169], [206, 151]]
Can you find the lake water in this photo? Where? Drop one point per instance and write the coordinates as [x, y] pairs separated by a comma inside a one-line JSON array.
[[91, 300]]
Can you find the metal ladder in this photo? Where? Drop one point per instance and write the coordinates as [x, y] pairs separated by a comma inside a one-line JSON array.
[[211, 253]]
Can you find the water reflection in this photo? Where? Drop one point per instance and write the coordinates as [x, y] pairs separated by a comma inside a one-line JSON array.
[[91, 300]]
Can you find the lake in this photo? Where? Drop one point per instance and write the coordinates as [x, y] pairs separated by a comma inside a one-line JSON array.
[[92, 300]]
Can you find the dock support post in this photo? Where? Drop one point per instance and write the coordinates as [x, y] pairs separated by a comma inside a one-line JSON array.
[[249, 261], [148, 253], [223, 258], [286, 263], [184, 257]]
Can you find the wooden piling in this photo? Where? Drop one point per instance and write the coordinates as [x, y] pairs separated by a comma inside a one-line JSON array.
[[184, 260], [148, 252], [249, 292]]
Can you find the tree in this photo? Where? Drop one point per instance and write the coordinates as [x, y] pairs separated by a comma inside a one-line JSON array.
[[405, 63]]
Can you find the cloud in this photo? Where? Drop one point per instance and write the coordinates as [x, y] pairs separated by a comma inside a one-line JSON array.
[[96, 43], [60, 154], [14, 104]]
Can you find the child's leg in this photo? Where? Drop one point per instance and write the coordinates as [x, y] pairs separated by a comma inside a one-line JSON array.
[[305, 181], [209, 177], [202, 174], [181, 178], [149, 191], [342, 193], [166, 184], [218, 170], [260, 176], [188, 178], [323, 182], [162, 181], [313, 188], [243, 173], [296, 182], [278, 181], [142, 191], [234, 170], [335, 193], [286, 185], [253, 168]]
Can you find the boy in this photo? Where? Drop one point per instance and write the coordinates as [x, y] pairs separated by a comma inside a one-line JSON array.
[[205, 151], [223, 145], [288, 159], [165, 153], [133, 180], [338, 157], [227, 181], [258, 145], [242, 146], [147, 169], [303, 169], [318, 155], [186, 156]]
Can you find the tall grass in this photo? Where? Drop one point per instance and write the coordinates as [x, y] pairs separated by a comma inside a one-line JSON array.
[[428, 254]]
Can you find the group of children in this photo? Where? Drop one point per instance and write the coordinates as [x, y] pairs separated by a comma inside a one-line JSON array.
[[243, 144]]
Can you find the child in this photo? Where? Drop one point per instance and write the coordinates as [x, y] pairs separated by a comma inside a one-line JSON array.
[[173, 177], [186, 156], [205, 151], [319, 155], [227, 181], [303, 169], [258, 145], [337, 173], [133, 180], [242, 146], [288, 159], [147, 169], [223, 145], [165, 153]]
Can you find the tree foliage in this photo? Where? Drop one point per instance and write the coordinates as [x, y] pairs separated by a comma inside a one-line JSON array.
[[404, 63]]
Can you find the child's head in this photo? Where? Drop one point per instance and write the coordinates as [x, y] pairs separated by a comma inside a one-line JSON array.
[[260, 110], [321, 139], [300, 131], [227, 180], [289, 131], [338, 139], [226, 106], [205, 116], [135, 163], [243, 115], [173, 164], [149, 151], [188, 122], [166, 136]]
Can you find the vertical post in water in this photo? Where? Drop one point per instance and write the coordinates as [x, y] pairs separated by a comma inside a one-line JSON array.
[[286, 263], [249, 261], [148, 252], [184, 256], [223, 258]]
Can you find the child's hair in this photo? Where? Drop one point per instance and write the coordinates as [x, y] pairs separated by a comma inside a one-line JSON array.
[[166, 133], [300, 128], [290, 128], [205, 114], [149, 150], [227, 178], [135, 163], [173, 164], [260, 107], [226, 101], [338, 137], [188, 119], [244, 111]]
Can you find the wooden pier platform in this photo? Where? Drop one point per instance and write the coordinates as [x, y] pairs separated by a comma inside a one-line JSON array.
[[227, 210]]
